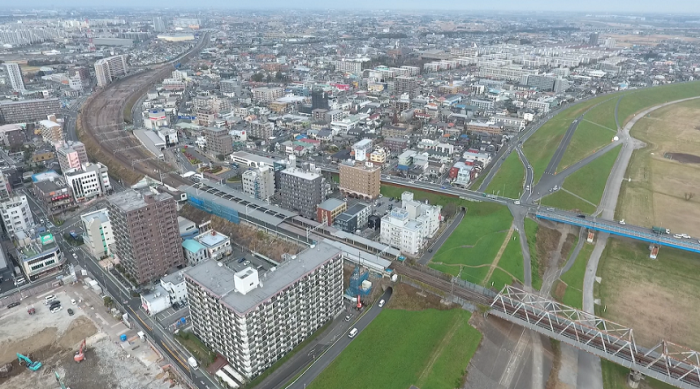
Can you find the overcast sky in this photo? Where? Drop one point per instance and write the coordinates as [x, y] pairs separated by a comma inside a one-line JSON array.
[[666, 6]]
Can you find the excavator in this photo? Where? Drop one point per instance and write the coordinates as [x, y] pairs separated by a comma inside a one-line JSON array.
[[80, 354], [31, 365]]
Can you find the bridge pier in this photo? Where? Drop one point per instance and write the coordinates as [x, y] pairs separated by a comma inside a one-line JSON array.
[[633, 379]]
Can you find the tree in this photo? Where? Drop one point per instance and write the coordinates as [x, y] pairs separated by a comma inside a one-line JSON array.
[[279, 76], [257, 77], [449, 210], [268, 78]]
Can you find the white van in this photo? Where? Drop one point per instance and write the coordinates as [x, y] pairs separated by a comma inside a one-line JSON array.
[[49, 298], [352, 333]]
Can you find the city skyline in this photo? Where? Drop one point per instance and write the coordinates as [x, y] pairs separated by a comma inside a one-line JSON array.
[[593, 6]]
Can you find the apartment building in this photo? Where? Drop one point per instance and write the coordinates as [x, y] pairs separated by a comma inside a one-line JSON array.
[[301, 191], [218, 141], [355, 218], [360, 179], [410, 227], [54, 195], [405, 84], [108, 69], [91, 180], [328, 210], [267, 94], [261, 130], [146, 233], [5, 188], [98, 235], [28, 111], [259, 182], [72, 156], [51, 132], [14, 74], [255, 317], [11, 135], [16, 215], [355, 66]]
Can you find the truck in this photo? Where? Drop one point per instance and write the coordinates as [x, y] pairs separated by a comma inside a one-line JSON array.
[[660, 230], [17, 271], [192, 362]]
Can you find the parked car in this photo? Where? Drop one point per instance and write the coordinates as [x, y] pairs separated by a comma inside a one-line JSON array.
[[54, 310], [347, 317], [12, 305], [70, 312]]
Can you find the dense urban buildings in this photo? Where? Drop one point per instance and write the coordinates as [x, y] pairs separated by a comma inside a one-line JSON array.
[[237, 311], [146, 234]]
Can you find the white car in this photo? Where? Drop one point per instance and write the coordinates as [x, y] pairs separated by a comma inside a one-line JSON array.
[[677, 236], [622, 222], [72, 301], [56, 309], [381, 303]]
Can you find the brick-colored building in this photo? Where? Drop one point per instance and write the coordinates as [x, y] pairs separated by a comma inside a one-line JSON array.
[[328, 210], [146, 234], [358, 179]]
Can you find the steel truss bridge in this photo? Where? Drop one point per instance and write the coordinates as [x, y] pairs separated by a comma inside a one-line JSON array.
[[667, 362]]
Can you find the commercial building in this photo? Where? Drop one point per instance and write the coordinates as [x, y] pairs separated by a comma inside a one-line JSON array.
[[108, 69], [16, 215], [156, 301], [259, 182], [28, 111], [194, 252], [98, 235], [328, 210], [218, 141], [216, 244], [38, 254], [254, 317], [410, 227], [301, 191], [14, 74], [53, 194], [355, 218], [360, 179], [146, 233], [91, 180]]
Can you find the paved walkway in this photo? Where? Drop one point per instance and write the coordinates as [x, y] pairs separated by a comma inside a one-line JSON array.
[[494, 264]]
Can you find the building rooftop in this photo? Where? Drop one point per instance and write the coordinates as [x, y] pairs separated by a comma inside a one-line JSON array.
[[212, 239], [331, 204], [248, 157], [301, 174], [218, 279], [357, 208], [49, 186], [101, 214], [192, 245], [130, 200]]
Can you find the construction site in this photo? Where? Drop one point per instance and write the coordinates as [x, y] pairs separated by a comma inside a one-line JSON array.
[[90, 348]]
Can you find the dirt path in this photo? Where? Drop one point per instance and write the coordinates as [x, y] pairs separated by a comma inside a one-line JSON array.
[[500, 253], [433, 358], [553, 271]]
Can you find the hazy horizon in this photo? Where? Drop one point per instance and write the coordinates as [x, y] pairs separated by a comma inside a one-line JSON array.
[[591, 6]]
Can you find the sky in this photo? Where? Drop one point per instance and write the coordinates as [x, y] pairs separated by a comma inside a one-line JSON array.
[[593, 6]]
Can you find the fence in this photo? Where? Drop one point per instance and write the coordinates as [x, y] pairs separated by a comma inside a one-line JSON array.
[[23, 293]]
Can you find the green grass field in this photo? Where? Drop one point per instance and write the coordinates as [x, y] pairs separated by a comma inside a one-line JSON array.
[[588, 183], [540, 147], [508, 181], [615, 377], [587, 139], [430, 349], [636, 101], [475, 242], [604, 114], [531, 233], [573, 296], [512, 259]]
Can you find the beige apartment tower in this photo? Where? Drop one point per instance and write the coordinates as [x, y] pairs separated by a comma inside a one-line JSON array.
[[360, 179]]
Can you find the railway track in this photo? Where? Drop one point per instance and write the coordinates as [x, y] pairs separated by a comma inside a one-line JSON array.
[[101, 120], [442, 284]]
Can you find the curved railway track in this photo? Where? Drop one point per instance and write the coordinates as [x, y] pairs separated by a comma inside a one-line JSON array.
[[101, 120]]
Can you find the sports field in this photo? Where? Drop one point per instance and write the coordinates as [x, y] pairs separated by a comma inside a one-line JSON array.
[[429, 349], [475, 243], [664, 177]]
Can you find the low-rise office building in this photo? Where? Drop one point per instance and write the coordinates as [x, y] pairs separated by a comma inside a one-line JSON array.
[[38, 255], [252, 317], [218, 245], [88, 182], [328, 210], [355, 218]]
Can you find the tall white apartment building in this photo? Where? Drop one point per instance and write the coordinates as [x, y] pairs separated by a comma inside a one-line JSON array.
[[259, 183], [254, 318], [408, 228], [16, 214], [98, 235], [14, 74], [107, 69]]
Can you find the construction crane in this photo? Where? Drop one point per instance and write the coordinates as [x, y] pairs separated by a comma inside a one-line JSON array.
[[31, 365], [80, 354], [91, 45]]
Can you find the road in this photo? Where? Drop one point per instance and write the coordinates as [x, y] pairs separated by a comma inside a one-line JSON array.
[[334, 351], [428, 255], [561, 149]]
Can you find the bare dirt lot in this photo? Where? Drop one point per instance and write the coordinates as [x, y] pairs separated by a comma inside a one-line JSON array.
[[664, 178], [53, 339], [657, 298]]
